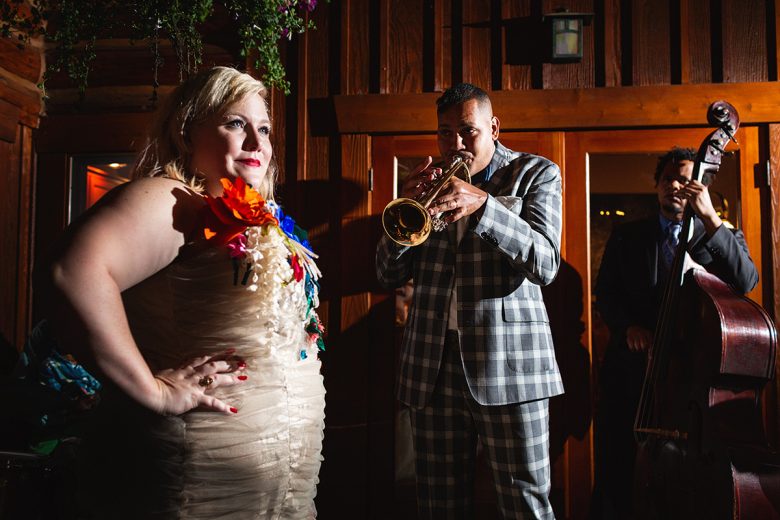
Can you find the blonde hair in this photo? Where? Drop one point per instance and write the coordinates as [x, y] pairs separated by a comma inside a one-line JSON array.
[[210, 92]]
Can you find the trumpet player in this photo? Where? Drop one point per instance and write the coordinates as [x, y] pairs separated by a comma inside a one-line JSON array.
[[477, 362]]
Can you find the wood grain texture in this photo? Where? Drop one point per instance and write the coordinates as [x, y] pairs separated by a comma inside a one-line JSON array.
[[477, 61], [25, 62], [744, 40], [446, 44], [9, 121], [750, 202], [776, 42], [26, 225], [384, 46], [673, 105], [405, 45], [650, 42], [25, 95], [606, 39], [774, 309], [355, 47], [696, 52], [358, 249], [441, 50], [514, 77]]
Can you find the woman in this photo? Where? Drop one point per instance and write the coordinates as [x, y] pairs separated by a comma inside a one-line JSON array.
[[194, 298]]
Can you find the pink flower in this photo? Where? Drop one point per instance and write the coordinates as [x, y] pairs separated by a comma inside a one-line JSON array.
[[237, 246]]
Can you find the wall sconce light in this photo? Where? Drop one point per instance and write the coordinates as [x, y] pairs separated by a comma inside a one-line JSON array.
[[564, 31], [553, 38]]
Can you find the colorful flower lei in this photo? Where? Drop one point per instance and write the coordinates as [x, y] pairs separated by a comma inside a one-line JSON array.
[[231, 220]]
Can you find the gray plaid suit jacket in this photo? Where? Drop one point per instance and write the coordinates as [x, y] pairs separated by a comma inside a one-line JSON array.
[[499, 266]]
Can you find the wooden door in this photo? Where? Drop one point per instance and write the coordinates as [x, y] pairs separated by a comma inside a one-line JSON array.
[[582, 149]]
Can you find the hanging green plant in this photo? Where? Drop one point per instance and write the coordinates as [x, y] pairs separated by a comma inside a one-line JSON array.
[[74, 26]]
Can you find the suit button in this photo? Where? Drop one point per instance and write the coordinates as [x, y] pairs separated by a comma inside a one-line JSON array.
[[490, 239]]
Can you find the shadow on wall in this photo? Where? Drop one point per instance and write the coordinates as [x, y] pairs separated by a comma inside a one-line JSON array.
[[570, 413]]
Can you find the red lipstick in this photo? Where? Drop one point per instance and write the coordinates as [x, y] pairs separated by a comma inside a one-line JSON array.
[[250, 162]]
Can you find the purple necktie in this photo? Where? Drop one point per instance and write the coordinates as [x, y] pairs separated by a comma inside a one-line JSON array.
[[670, 242]]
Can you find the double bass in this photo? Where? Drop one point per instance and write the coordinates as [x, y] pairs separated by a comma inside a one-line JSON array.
[[702, 450]]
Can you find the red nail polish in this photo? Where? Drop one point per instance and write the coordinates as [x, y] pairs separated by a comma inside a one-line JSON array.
[[242, 378], [234, 410], [241, 365]]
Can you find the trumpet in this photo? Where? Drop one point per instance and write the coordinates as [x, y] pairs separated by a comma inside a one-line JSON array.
[[407, 221]]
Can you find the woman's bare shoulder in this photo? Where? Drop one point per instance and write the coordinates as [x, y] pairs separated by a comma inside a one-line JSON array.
[[156, 189], [152, 198]]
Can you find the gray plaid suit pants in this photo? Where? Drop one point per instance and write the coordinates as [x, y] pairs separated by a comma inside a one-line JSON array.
[[515, 439]]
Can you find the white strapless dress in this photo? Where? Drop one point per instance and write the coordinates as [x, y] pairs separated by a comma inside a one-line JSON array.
[[261, 463]]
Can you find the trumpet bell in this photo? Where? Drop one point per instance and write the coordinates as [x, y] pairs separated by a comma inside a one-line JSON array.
[[406, 222]]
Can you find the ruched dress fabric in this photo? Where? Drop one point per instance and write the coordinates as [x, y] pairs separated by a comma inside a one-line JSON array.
[[261, 463]]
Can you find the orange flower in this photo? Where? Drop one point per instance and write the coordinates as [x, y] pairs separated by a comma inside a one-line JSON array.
[[238, 208]]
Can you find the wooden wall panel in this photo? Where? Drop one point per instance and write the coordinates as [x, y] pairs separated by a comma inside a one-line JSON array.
[[774, 238], [744, 40], [750, 201], [9, 247], [612, 52], [514, 77], [51, 213], [477, 51], [405, 46], [25, 223], [355, 58], [695, 52], [25, 62], [316, 80], [16, 213], [344, 490], [572, 75], [445, 6], [650, 43]]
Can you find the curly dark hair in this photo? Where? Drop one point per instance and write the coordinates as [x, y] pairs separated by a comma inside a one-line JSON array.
[[461, 93], [675, 156]]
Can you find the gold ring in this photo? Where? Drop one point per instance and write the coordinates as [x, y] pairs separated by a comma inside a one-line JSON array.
[[206, 381]]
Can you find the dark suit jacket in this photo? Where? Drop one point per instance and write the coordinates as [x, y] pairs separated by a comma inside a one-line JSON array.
[[628, 289]]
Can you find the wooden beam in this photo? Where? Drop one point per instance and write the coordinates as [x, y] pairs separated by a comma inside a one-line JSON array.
[[24, 62], [22, 93], [597, 108]]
